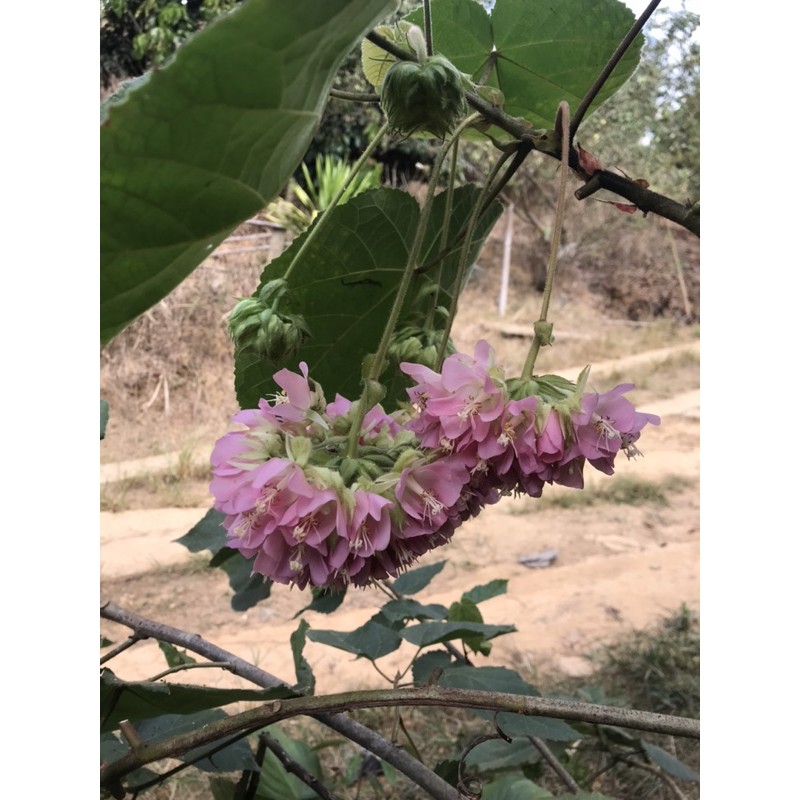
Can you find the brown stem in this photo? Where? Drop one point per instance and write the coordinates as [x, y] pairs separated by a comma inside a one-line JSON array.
[[278, 710], [425, 778], [580, 112], [290, 765], [555, 764]]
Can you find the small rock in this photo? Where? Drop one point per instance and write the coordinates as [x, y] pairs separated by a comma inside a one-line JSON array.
[[544, 558]]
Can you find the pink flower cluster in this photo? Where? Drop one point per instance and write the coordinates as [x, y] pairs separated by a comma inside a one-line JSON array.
[[465, 444]]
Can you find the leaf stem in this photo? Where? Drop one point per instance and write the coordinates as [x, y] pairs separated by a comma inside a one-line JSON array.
[[325, 215], [290, 765], [464, 257], [379, 359]]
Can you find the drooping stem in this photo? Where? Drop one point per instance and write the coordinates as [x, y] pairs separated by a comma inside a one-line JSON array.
[[448, 207], [355, 97], [411, 264], [542, 329], [464, 257], [325, 215], [290, 765], [609, 68]]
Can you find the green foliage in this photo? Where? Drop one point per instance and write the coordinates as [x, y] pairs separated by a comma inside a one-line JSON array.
[[302, 669], [536, 52], [415, 580], [316, 194], [136, 35], [167, 196], [346, 280], [103, 418]]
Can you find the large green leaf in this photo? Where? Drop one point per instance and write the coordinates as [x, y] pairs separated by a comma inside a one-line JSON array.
[[208, 534], [415, 580], [501, 679], [139, 700], [514, 787], [346, 281], [372, 640], [427, 633], [544, 52], [211, 139]]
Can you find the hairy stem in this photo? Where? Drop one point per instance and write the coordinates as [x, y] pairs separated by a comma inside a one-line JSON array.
[[541, 330], [355, 97], [605, 73], [290, 765], [465, 247], [555, 764], [411, 264], [425, 778], [426, 6], [325, 215], [277, 710]]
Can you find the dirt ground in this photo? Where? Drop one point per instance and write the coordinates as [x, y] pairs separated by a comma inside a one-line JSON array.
[[619, 567]]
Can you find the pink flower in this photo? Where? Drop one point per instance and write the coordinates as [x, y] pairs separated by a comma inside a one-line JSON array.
[[459, 406], [376, 419], [607, 424]]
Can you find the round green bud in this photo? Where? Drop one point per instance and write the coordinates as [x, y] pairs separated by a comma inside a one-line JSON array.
[[423, 97]]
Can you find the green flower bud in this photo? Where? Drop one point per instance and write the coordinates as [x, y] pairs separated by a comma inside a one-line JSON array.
[[423, 97]]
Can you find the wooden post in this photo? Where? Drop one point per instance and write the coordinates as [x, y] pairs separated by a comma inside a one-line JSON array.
[[506, 269]]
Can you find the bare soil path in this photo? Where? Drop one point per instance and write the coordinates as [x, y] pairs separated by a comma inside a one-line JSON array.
[[620, 567]]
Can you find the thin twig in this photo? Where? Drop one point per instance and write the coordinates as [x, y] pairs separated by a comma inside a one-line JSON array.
[[425, 778], [121, 648], [355, 97], [290, 765], [580, 112], [183, 667], [556, 765], [658, 773]]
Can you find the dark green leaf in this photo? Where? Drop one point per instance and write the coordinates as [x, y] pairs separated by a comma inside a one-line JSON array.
[[105, 642], [514, 787], [417, 579], [466, 611], [302, 669], [175, 657], [276, 783], [427, 663], [427, 633], [325, 601], [486, 591], [139, 700], [669, 763], [545, 52], [412, 609], [208, 534], [448, 770], [221, 788], [501, 679], [497, 754], [346, 281], [208, 141], [372, 640], [103, 418], [248, 589], [235, 757]]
